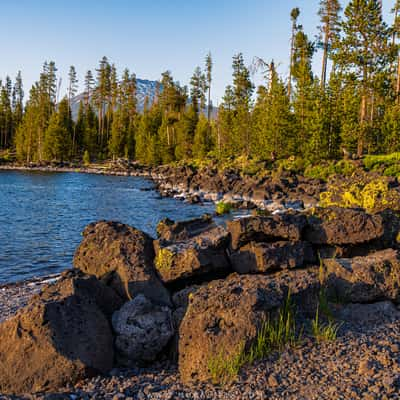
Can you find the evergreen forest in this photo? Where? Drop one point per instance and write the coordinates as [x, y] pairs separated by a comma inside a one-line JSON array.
[[350, 107]]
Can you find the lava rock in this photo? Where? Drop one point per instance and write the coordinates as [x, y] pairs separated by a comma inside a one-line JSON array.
[[265, 229], [60, 337], [121, 256], [201, 255], [267, 257], [364, 279], [142, 330], [227, 314], [343, 226]]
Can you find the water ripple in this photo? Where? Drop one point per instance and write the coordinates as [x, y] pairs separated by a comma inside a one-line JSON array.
[[42, 216]]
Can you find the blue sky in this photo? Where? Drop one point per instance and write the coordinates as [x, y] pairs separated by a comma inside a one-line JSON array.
[[149, 36]]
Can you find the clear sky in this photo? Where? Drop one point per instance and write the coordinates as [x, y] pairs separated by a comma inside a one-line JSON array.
[[148, 36]]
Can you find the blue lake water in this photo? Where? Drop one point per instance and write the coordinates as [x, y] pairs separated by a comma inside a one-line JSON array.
[[42, 216]]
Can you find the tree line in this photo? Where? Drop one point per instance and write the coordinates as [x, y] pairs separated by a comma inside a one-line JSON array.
[[352, 105]]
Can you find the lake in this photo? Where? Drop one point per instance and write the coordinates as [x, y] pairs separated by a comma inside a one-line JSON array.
[[42, 216]]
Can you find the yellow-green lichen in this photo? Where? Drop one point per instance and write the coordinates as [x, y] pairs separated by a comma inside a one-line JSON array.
[[373, 196], [164, 259]]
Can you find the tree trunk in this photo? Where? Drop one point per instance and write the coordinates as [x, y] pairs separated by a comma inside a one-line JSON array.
[[398, 81], [324, 60], [363, 114], [291, 60]]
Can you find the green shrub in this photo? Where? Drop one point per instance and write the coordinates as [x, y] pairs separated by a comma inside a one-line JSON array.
[[223, 208], [393, 170], [319, 171], [293, 164], [343, 167], [374, 162], [86, 158]]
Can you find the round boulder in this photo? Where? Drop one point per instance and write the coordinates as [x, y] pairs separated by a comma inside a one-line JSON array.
[[142, 330]]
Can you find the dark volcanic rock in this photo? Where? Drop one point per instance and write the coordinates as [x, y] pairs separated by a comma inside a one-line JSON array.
[[264, 229], [201, 255], [60, 337], [343, 226], [142, 330], [368, 314], [171, 231], [226, 314], [123, 257], [365, 279], [266, 257]]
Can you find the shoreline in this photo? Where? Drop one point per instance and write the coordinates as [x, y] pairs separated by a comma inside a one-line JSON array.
[[82, 170], [182, 183]]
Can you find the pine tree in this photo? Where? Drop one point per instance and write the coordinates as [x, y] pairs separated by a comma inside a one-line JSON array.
[[329, 13], [302, 73], [364, 52], [72, 84], [197, 91], [185, 132], [225, 124], [272, 121], [242, 92], [294, 15], [89, 85], [118, 137], [58, 139], [202, 142], [209, 68], [18, 99], [395, 38], [391, 129]]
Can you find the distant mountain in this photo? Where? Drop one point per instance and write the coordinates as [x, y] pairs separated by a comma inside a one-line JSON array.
[[144, 88]]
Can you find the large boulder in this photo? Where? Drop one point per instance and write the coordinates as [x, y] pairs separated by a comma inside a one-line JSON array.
[[265, 229], [63, 335], [226, 314], [367, 314], [171, 231], [142, 330], [201, 255], [343, 226], [121, 256], [364, 279], [269, 257]]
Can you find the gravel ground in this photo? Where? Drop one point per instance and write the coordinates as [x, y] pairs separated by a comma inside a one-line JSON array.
[[16, 295], [362, 363]]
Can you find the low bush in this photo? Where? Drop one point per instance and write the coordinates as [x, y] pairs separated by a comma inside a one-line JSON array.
[[375, 162], [324, 171], [222, 208], [293, 164]]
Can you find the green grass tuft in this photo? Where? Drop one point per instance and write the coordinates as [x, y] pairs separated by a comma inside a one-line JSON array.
[[274, 335], [225, 368], [324, 332]]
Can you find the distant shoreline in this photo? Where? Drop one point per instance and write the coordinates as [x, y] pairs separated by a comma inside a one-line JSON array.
[[99, 170]]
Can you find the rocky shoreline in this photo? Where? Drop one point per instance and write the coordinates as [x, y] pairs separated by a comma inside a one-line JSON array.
[[144, 318], [209, 184]]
